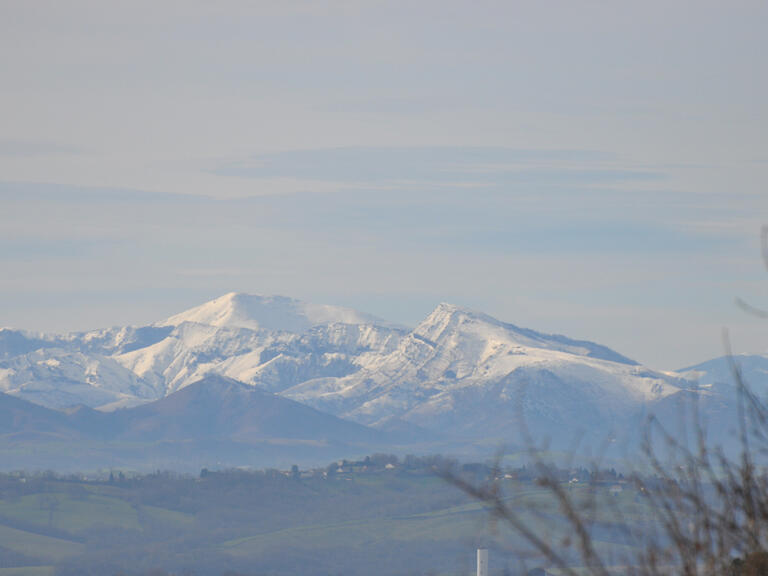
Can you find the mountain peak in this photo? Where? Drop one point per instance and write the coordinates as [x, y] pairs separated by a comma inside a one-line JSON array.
[[457, 323], [446, 308], [447, 315], [258, 312]]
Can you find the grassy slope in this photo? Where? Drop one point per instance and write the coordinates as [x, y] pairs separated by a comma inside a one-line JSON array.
[[368, 515], [38, 546]]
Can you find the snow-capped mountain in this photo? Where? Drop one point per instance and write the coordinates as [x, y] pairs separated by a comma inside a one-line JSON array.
[[459, 373], [267, 313], [273, 360], [718, 396], [467, 374], [273, 342], [717, 375], [58, 377]]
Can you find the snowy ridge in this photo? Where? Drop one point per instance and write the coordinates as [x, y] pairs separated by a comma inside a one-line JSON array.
[[57, 378], [459, 372], [447, 316], [272, 342], [461, 369], [717, 374]]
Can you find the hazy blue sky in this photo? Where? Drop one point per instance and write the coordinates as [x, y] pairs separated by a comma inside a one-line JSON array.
[[589, 168]]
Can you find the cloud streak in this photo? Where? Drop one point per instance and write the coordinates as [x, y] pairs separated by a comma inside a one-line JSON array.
[[437, 165]]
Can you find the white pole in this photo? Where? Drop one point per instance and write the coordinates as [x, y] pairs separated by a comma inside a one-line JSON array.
[[482, 562]]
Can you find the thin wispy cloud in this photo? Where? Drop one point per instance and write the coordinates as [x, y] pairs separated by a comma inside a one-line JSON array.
[[32, 148], [443, 165]]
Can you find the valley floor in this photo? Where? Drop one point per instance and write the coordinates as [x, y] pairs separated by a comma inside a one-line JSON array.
[[377, 516]]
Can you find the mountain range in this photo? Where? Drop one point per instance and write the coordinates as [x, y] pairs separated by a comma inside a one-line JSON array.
[[278, 378]]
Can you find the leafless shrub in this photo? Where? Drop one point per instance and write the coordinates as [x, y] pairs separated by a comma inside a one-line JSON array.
[[707, 511]]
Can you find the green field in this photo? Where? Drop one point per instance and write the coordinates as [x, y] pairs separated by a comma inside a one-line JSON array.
[[37, 545], [359, 522]]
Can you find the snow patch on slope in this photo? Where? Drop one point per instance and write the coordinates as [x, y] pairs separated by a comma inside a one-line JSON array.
[[58, 378]]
